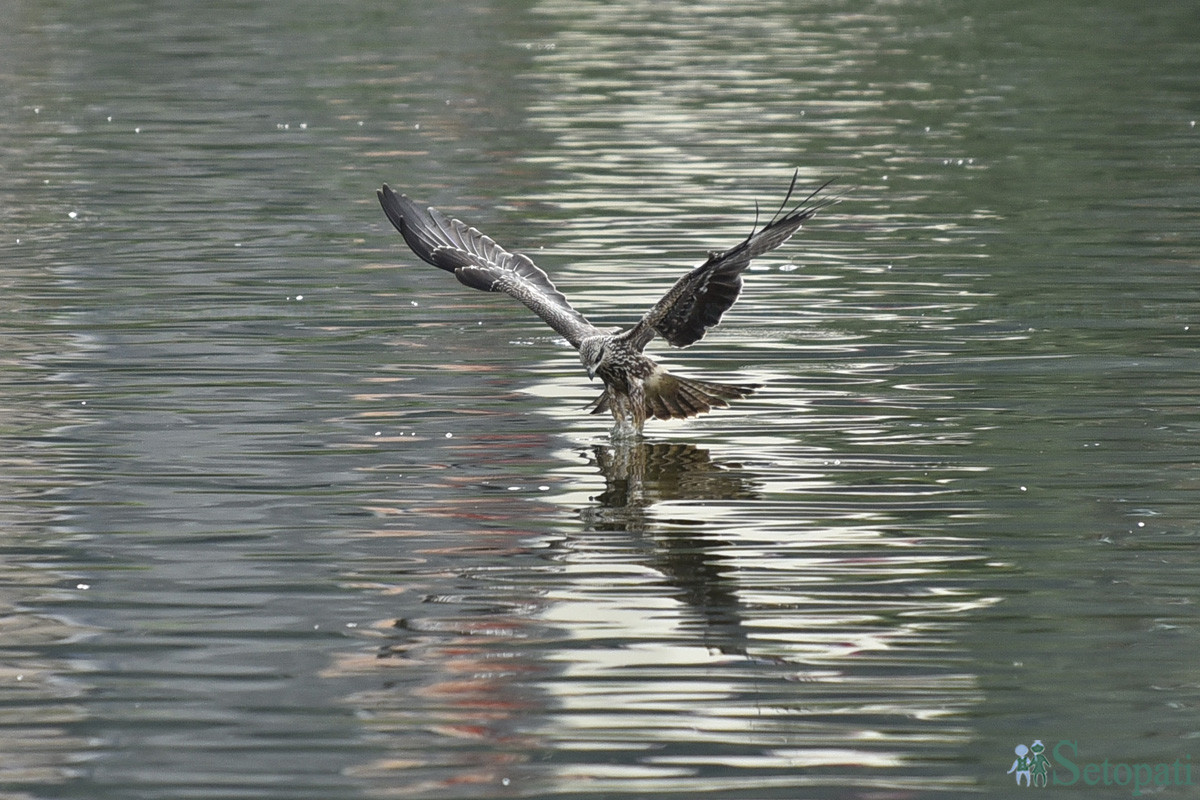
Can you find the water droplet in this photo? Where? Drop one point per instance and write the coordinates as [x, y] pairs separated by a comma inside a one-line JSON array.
[[449, 435], [72, 214], [83, 586]]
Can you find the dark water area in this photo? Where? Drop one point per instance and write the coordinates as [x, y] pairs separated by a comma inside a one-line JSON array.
[[285, 513]]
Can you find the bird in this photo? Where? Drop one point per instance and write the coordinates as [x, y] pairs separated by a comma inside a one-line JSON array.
[[636, 387]]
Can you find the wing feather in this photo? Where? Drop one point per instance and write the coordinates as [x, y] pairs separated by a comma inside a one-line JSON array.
[[698, 300], [478, 262]]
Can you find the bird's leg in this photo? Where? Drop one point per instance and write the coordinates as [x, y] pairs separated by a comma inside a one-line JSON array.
[[637, 403], [626, 426]]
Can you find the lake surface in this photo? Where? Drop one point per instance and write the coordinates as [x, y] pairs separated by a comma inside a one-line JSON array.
[[286, 514]]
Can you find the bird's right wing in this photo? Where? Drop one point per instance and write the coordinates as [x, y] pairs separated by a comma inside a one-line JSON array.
[[477, 261]]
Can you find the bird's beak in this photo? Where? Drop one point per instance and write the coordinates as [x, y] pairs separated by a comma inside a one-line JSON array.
[[591, 373]]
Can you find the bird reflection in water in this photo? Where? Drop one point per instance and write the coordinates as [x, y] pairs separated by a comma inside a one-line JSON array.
[[640, 476]]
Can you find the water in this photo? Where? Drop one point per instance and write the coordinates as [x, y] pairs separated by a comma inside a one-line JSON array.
[[288, 515]]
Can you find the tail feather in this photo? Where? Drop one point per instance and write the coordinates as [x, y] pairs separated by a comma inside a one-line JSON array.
[[663, 406], [675, 397], [669, 396]]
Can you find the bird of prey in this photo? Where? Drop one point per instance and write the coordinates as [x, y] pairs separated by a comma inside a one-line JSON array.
[[635, 387]]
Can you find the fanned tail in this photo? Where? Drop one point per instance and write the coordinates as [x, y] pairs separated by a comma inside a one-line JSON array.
[[669, 396], [675, 397]]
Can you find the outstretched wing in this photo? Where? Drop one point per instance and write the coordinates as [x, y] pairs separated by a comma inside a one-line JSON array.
[[697, 300], [480, 263]]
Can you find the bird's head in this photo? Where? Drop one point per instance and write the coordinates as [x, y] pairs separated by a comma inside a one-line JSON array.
[[592, 353]]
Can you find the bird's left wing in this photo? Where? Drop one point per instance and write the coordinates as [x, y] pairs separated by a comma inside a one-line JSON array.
[[697, 300], [477, 261]]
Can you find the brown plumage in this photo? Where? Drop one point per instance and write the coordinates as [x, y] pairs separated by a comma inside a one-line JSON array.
[[635, 387]]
